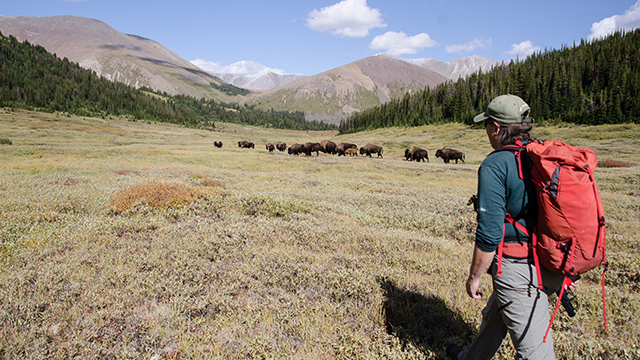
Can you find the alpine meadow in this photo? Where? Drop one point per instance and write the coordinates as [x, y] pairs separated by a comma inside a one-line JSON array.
[[126, 234], [138, 240]]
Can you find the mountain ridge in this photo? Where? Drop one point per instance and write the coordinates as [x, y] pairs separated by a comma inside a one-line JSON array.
[[336, 93], [139, 61], [130, 59]]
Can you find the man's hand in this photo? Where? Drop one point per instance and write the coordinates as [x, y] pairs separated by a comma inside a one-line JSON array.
[[473, 287], [478, 267]]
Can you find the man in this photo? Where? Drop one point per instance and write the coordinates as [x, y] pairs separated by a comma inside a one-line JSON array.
[[516, 305]]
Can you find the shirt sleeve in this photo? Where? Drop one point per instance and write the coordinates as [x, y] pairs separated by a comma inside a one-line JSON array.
[[491, 206]]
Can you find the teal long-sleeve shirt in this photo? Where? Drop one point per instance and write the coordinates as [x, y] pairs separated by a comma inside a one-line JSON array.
[[501, 191]]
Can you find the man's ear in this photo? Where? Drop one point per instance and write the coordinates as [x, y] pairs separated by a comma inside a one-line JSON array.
[[497, 124]]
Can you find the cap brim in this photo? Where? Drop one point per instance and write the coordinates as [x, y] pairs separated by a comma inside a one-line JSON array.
[[480, 118]]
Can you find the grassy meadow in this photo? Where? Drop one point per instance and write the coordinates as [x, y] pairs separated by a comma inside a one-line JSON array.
[[124, 239]]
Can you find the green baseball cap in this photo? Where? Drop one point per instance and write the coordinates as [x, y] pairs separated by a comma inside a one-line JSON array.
[[506, 109]]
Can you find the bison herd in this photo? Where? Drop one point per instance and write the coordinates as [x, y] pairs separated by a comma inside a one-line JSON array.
[[414, 153]]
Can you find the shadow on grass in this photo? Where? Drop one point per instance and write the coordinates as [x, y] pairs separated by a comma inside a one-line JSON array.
[[425, 322]]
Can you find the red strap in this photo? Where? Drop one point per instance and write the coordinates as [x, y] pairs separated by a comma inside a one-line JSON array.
[[519, 160], [565, 282], [534, 245], [536, 261], [516, 224], [604, 306], [501, 245], [601, 227], [500, 250]]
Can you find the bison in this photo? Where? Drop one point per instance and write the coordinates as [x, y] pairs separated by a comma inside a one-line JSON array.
[[416, 153], [295, 149], [281, 146], [217, 144], [450, 154], [270, 147], [310, 147], [246, 144], [328, 147], [351, 151], [371, 149], [342, 148]]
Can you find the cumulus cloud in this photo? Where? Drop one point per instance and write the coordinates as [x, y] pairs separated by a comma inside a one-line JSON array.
[[348, 18], [398, 43], [522, 50], [243, 68], [470, 46], [628, 21]]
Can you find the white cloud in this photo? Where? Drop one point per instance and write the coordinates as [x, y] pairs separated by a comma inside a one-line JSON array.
[[398, 43], [243, 68], [522, 50], [628, 21], [470, 46], [348, 18]]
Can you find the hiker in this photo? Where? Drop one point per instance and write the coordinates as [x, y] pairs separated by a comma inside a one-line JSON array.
[[516, 305]]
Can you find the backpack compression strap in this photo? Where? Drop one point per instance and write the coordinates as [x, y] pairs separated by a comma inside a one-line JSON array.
[[534, 245]]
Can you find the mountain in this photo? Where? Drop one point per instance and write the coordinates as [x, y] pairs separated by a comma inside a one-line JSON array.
[[452, 70], [335, 94], [129, 59], [455, 69], [329, 96], [266, 81]]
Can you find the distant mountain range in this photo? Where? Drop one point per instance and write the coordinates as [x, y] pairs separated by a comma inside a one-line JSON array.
[[451, 70], [328, 96], [336, 93], [267, 81]]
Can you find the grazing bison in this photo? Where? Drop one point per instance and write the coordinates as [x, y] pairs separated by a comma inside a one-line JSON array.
[[310, 147], [450, 154], [416, 153], [351, 151], [270, 147], [371, 149], [281, 146], [246, 144], [295, 149], [328, 147], [342, 148], [217, 144]]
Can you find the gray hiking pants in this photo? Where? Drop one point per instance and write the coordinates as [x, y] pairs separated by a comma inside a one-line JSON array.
[[519, 307]]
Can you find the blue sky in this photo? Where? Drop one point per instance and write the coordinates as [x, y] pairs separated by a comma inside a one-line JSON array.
[[309, 37]]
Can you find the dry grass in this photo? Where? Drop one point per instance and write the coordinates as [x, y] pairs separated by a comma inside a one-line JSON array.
[[130, 240], [610, 163]]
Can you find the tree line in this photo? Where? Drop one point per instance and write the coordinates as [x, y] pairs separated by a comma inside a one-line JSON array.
[[33, 79], [595, 82]]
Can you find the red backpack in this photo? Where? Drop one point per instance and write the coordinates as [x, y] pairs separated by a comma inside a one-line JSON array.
[[569, 237]]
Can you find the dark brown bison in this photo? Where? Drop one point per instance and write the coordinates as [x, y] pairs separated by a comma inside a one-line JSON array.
[[295, 149], [281, 146], [416, 153], [217, 144], [310, 147], [328, 147], [246, 144], [450, 154], [351, 152], [371, 149], [342, 147], [270, 147]]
